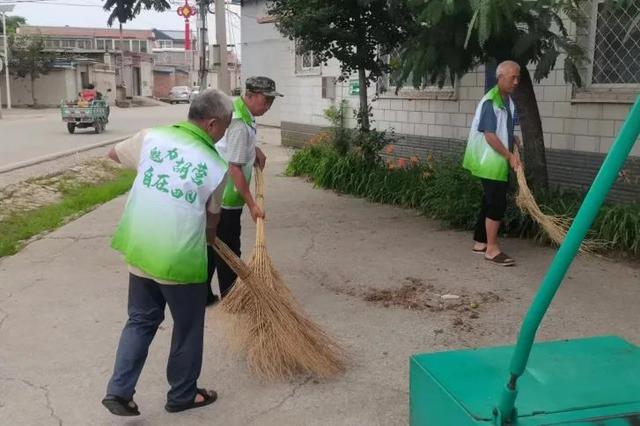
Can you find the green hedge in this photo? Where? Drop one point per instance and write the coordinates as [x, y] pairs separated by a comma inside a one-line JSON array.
[[444, 190]]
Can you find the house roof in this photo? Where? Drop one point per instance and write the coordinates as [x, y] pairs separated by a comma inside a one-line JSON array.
[[84, 32], [169, 35]]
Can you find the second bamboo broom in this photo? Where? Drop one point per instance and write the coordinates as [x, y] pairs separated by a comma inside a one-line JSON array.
[[556, 227], [268, 325]]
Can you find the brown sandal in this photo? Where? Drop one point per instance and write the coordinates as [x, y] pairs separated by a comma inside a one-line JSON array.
[[501, 259]]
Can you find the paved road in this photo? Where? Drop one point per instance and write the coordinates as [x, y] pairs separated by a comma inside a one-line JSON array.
[[25, 135], [63, 305]]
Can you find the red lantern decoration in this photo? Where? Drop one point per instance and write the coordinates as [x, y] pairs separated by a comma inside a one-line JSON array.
[[186, 11]]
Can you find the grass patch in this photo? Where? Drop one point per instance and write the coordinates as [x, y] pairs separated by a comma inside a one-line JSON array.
[[78, 198]]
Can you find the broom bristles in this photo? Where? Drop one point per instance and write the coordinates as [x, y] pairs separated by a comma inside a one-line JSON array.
[[278, 337], [556, 227]]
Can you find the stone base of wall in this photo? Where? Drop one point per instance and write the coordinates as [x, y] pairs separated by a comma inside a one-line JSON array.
[[573, 170]]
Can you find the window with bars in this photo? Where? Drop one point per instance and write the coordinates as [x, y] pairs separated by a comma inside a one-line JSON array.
[[387, 84], [307, 62], [616, 44]]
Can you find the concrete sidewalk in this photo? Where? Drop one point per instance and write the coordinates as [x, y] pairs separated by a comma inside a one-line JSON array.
[[63, 305]]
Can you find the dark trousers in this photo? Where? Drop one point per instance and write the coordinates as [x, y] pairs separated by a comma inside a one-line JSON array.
[[229, 230], [494, 204], [147, 300]]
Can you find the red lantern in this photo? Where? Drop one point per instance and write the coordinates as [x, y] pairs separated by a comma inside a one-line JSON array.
[[186, 11]]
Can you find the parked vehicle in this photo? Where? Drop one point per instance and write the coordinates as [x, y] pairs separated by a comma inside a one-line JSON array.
[[195, 90], [179, 94]]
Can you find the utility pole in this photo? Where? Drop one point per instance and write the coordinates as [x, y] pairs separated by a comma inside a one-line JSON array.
[[221, 38], [4, 9], [203, 41]]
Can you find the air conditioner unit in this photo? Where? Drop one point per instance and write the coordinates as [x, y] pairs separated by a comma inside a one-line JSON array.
[[328, 87]]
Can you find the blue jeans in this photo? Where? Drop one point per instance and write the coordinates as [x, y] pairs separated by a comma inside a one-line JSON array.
[[147, 300]]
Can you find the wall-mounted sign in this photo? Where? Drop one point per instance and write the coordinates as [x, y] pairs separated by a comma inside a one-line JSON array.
[[354, 87]]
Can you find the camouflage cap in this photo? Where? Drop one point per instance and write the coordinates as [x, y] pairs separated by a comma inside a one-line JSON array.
[[262, 85]]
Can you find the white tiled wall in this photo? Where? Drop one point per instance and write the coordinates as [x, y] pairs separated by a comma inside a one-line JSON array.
[[570, 125]]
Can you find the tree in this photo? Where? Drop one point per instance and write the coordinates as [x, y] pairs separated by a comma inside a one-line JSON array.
[[448, 38], [28, 57], [358, 33], [13, 22], [126, 10]]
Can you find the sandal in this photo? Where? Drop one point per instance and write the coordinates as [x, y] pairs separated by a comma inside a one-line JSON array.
[[501, 259], [120, 406], [481, 251], [209, 397]]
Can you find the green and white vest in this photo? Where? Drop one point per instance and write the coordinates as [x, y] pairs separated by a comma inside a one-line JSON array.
[[162, 229], [232, 200], [479, 158]]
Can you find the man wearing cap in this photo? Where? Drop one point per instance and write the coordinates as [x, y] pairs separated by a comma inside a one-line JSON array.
[[239, 149]]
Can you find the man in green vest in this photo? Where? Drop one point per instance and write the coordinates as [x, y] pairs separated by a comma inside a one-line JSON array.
[[239, 149], [173, 207], [489, 155]]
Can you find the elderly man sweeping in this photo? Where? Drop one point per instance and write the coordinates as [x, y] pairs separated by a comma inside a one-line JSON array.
[[488, 156], [175, 197], [239, 148]]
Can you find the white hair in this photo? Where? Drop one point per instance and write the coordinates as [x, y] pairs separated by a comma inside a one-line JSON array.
[[210, 103], [504, 65]]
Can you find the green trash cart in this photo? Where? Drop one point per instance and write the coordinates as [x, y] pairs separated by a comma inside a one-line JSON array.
[[578, 382]]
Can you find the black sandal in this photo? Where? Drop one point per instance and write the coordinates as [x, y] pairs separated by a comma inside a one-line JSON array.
[[120, 406], [209, 396]]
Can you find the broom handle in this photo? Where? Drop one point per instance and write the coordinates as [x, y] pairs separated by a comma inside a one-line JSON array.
[[260, 202], [586, 215], [236, 264], [231, 259]]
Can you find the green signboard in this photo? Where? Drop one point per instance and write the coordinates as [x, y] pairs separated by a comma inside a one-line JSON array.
[[354, 87]]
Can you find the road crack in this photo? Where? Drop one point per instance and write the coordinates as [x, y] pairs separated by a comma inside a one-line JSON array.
[[45, 393]]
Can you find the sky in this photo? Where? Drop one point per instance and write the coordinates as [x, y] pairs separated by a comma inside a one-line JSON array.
[[89, 13]]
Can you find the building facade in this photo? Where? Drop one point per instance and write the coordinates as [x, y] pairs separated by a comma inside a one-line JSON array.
[[126, 54], [579, 123], [173, 65]]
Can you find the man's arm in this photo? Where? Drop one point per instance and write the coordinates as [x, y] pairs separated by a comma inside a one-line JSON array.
[[494, 141], [127, 152], [241, 184], [261, 159]]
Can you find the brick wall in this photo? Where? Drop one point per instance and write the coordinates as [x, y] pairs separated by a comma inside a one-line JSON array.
[[162, 84], [164, 81]]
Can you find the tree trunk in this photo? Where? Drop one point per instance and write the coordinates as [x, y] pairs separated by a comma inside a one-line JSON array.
[[533, 137], [364, 105], [33, 90]]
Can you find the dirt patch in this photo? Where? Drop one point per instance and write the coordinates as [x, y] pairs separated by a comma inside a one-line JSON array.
[[37, 192], [416, 295]]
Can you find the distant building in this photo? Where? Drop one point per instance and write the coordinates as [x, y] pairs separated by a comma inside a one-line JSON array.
[[173, 66], [101, 56]]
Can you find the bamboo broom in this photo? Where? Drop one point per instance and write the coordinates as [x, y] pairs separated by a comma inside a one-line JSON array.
[[556, 227], [278, 337]]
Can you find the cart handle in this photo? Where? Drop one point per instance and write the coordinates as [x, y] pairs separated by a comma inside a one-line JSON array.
[[607, 175]]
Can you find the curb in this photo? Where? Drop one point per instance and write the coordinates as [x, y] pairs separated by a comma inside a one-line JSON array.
[[45, 158]]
